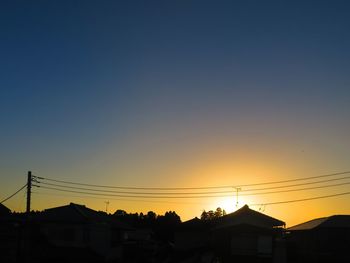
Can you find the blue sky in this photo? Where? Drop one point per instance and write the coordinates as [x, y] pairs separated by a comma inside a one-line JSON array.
[[125, 87]]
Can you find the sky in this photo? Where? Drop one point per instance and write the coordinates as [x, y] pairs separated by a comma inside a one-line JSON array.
[[176, 94]]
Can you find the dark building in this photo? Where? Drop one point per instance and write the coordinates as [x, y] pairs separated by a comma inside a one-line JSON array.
[[9, 235], [244, 236], [4, 211], [324, 239], [73, 233]]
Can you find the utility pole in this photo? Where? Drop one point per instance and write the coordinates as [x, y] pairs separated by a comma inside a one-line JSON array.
[[29, 191]]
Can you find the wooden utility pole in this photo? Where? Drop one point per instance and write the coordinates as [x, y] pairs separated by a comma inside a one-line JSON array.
[[29, 191]]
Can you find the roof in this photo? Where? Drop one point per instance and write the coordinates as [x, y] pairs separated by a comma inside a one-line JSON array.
[[194, 224], [247, 216], [4, 210], [335, 221], [75, 213]]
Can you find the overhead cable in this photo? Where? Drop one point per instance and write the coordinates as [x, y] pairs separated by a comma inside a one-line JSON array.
[[296, 190], [293, 185], [130, 196], [115, 199], [13, 194], [211, 192], [300, 200], [194, 188]]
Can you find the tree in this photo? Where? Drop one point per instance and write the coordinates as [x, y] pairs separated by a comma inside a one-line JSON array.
[[170, 217], [151, 216], [218, 212], [204, 215], [120, 213], [210, 215]]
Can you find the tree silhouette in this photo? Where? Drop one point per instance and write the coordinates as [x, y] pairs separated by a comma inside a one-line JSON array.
[[210, 215]]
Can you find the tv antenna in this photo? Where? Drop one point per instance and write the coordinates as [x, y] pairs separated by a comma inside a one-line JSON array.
[[237, 190], [107, 203]]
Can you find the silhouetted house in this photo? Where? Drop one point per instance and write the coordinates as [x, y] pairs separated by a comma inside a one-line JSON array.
[[75, 233], [140, 245], [192, 234], [4, 211], [192, 240], [9, 235], [324, 239], [245, 235]]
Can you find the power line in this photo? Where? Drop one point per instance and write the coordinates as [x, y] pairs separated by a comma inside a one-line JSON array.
[[136, 193], [192, 188], [295, 190], [13, 194], [301, 200], [135, 188], [188, 196], [206, 193], [117, 199], [298, 179], [293, 185], [130, 196]]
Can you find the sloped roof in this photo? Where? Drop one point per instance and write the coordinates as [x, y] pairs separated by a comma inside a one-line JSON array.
[[4, 210], [193, 224], [75, 213], [247, 216], [335, 221], [71, 213]]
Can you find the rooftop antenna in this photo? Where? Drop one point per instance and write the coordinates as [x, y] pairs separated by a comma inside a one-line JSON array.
[[107, 203], [262, 207], [237, 190]]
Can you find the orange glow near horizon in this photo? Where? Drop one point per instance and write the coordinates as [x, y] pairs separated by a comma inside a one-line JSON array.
[[236, 173]]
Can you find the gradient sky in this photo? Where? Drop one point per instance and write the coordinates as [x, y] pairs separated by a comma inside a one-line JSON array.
[[175, 94]]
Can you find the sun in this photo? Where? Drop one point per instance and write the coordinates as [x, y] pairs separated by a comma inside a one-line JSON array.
[[226, 203]]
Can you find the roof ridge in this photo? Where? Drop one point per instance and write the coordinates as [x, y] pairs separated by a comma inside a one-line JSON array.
[[318, 222], [247, 208], [78, 208]]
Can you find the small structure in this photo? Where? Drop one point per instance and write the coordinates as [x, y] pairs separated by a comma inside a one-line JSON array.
[[324, 239]]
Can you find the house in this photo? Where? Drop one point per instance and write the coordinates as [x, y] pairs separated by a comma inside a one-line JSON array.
[[245, 235], [140, 245], [9, 235], [192, 234], [324, 239], [4, 211], [76, 233], [192, 241]]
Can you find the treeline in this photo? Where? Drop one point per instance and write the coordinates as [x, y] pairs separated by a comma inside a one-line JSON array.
[[149, 219], [162, 225]]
